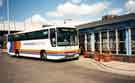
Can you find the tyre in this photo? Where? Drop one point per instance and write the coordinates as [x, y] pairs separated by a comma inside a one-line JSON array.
[[43, 55], [17, 52]]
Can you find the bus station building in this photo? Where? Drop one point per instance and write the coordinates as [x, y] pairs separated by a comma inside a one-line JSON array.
[[111, 36]]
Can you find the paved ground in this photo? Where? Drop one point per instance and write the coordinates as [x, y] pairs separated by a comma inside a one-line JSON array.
[[24, 70], [116, 67]]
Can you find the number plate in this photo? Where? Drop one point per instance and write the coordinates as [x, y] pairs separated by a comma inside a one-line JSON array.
[[69, 55]]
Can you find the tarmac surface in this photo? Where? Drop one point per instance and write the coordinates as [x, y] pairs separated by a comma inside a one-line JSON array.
[[29, 70], [115, 67]]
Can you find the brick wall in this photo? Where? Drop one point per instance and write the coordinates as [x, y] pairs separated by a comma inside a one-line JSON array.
[[124, 58]]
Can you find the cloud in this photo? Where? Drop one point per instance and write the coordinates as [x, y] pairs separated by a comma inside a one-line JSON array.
[[115, 11], [130, 6], [36, 21], [76, 1], [70, 22], [71, 9], [36, 18], [1, 3]]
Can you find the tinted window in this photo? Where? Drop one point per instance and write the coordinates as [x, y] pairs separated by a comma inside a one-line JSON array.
[[38, 34], [29, 36], [18, 37], [10, 37]]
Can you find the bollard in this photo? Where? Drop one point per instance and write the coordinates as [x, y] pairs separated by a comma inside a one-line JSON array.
[[85, 54], [97, 56]]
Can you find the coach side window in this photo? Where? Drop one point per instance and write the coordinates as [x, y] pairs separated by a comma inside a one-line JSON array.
[[10, 38], [53, 37], [42, 34]]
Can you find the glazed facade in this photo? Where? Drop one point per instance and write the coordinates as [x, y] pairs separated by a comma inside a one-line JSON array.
[[116, 36]]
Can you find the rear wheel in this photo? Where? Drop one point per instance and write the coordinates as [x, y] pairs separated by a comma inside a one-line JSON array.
[[43, 55], [16, 52]]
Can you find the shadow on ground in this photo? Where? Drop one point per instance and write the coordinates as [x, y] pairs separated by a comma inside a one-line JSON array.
[[38, 59]]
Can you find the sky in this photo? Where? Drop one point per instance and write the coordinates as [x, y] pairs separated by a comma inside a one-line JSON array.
[[60, 10]]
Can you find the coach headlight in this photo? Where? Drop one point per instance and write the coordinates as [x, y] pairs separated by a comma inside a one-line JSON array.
[[76, 55]]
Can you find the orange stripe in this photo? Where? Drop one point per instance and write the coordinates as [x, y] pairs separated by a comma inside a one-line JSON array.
[[17, 45], [29, 50], [49, 51]]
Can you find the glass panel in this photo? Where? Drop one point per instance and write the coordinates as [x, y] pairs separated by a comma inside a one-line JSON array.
[[122, 49], [18, 37], [104, 42], [10, 38], [97, 42], [133, 47], [133, 34], [81, 42], [67, 37], [122, 38], [112, 41], [121, 35], [89, 42], [133, 40], [43, 34]]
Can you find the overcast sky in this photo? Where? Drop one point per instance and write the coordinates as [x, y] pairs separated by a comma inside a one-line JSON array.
[[58, 10]]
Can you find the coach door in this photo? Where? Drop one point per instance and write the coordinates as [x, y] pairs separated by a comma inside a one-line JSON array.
[[53, 37]]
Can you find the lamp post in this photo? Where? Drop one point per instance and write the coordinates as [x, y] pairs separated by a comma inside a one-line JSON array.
[[14, 24], [8, 17], [24, 23], [8, 25]]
